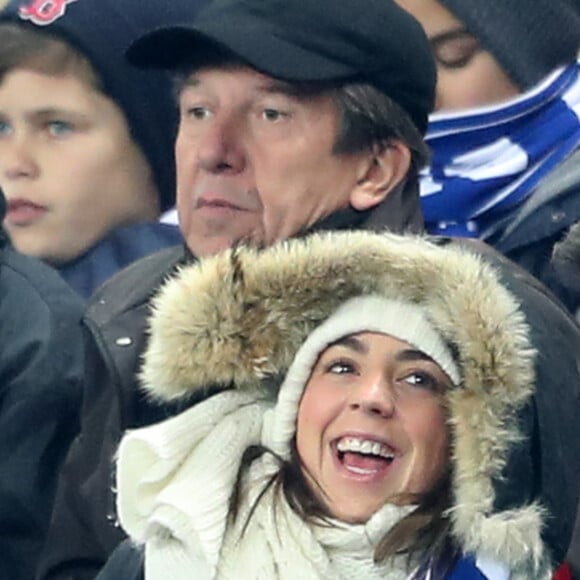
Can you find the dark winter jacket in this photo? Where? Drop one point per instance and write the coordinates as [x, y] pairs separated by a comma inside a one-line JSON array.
[[40, 398], [540, 223], [84, 530], [121, 247], [125, 563], [566, 262]]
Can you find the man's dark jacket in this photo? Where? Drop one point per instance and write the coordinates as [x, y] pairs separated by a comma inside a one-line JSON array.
[[84, 530]]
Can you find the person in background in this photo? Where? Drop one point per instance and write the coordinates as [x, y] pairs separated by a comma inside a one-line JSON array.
[[295, 116], [504, 138], [368, 388], [41, 371], [86, 141]]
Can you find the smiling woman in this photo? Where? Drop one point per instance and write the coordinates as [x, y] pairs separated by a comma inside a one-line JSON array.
[[371, 426], [368, 386]]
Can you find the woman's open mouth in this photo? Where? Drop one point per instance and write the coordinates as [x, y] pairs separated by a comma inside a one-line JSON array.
[[363, 458]]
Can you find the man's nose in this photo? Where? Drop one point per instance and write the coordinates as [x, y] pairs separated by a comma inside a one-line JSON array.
[[17, 157], [374, 395], [221, 149]]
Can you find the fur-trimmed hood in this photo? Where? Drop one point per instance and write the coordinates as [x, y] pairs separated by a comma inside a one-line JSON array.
[[237, 319]]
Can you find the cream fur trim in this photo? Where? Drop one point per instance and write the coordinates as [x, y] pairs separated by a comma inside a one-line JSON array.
[[239, 318]]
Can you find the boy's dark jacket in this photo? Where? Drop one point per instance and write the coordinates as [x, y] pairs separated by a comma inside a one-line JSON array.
[[40, 397], [84, 531]]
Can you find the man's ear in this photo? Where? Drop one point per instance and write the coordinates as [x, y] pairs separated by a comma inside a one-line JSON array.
[[381, 171]]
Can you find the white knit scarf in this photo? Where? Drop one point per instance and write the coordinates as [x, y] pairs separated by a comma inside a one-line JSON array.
[[174, 482]]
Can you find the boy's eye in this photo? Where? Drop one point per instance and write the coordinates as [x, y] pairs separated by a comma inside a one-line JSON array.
[[198, 112], [5, 128], [59, 128]]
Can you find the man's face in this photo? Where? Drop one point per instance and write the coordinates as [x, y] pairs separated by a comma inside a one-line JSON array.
[[467, 75], [255, 162], [68, 166]]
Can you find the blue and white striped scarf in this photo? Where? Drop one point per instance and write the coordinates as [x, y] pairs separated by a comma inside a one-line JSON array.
[[487, 161]]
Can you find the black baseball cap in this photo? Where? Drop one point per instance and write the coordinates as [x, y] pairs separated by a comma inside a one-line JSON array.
[[373, 41]]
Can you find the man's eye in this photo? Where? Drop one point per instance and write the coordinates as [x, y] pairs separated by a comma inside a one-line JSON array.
[[273, 115], [59, 128]]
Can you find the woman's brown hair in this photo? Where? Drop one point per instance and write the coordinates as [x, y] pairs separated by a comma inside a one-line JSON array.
[[422, 534]]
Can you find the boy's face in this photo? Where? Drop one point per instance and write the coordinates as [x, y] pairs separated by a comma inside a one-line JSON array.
[[68, 166]]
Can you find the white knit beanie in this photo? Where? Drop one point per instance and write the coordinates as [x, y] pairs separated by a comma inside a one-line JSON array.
[[402, 320]]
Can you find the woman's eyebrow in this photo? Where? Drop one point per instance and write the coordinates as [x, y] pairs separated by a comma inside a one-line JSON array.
[[411, 354], [352, 343]]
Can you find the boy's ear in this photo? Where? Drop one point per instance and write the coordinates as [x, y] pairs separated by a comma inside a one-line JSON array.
[[381, 171]]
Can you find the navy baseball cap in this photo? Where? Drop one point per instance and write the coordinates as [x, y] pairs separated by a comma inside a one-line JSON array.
[[373, 41]]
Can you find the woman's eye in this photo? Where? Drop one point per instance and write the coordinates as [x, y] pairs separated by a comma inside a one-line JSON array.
[[340, 368], [423, 380], [59, 128]]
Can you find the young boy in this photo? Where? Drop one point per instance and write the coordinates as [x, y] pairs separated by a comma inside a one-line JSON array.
[[86, 141]]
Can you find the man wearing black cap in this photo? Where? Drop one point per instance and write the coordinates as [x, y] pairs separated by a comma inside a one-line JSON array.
[[295, 115]]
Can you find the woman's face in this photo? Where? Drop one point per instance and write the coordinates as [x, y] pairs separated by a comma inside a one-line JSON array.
[[371, 425], [467, 75]]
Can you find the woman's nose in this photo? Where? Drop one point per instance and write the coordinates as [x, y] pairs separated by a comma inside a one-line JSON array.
[[374, 395]]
